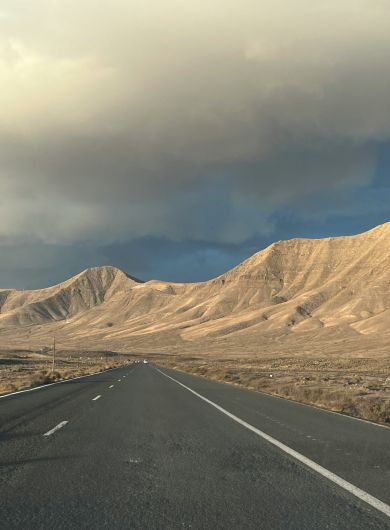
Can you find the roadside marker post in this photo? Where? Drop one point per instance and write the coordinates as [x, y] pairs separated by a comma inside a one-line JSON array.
[[54, 355]]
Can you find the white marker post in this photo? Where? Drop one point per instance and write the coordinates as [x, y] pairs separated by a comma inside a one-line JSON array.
[[54, 355]]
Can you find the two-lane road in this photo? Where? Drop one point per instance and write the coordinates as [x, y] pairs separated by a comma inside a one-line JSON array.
[[145, 447]]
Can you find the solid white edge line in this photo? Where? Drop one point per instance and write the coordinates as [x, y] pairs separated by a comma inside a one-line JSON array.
[[57, 383], [60, 382], [300, 403], [59, 426], [96, 397], [362, 495]]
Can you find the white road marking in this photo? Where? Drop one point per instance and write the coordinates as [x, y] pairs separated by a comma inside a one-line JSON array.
[[59, 426], [111, 386], [119, 380], [96, 398], [354, 490], [56, 383], [345, 416]]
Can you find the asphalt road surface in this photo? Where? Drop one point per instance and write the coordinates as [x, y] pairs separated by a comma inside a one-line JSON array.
[[134, 448]]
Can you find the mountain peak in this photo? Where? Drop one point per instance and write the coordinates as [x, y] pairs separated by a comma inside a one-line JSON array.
[[103, 272]]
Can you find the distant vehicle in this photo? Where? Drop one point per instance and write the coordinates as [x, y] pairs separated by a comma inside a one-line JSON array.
[[145, 361]]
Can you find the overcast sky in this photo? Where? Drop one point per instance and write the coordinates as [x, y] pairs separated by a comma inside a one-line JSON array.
[[175, 138]]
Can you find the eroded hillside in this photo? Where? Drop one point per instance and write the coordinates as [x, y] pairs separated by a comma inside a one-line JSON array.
[[300, 286]]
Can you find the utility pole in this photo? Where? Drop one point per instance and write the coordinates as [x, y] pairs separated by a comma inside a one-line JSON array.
[[54, 354]]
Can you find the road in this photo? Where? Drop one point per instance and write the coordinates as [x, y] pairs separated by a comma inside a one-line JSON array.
[[134, 448]]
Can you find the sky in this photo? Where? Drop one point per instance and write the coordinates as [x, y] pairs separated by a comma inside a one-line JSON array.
[[174, 139]]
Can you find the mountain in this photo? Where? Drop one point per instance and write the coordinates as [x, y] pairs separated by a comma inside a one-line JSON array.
[[81, 293], [300, 286]]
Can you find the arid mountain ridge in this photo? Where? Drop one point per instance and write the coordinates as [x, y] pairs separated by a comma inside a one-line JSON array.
[[291, 287]]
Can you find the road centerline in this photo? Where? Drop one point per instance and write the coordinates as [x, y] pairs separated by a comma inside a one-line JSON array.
[[56, 428], [344, 484], [96, 397]]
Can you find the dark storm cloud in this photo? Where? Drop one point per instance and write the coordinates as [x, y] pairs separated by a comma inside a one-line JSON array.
[[186, 121]]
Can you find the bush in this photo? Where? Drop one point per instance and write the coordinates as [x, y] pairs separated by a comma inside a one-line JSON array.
[[44, 378]]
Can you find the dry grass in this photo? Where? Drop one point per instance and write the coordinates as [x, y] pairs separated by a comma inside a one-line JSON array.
[[360, 388], [26, 369], [356, 386]]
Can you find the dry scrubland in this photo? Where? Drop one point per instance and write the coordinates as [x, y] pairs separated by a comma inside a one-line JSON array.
[[313, 314], [24, 369], [358, 387]]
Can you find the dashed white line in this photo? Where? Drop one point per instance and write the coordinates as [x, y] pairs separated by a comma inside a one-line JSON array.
[[111, 386], [96, 397], [43, 387], [354, 490], [56, 428], [119, 380]]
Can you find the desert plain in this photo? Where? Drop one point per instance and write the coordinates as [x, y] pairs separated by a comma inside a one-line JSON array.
[[305, 319]]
